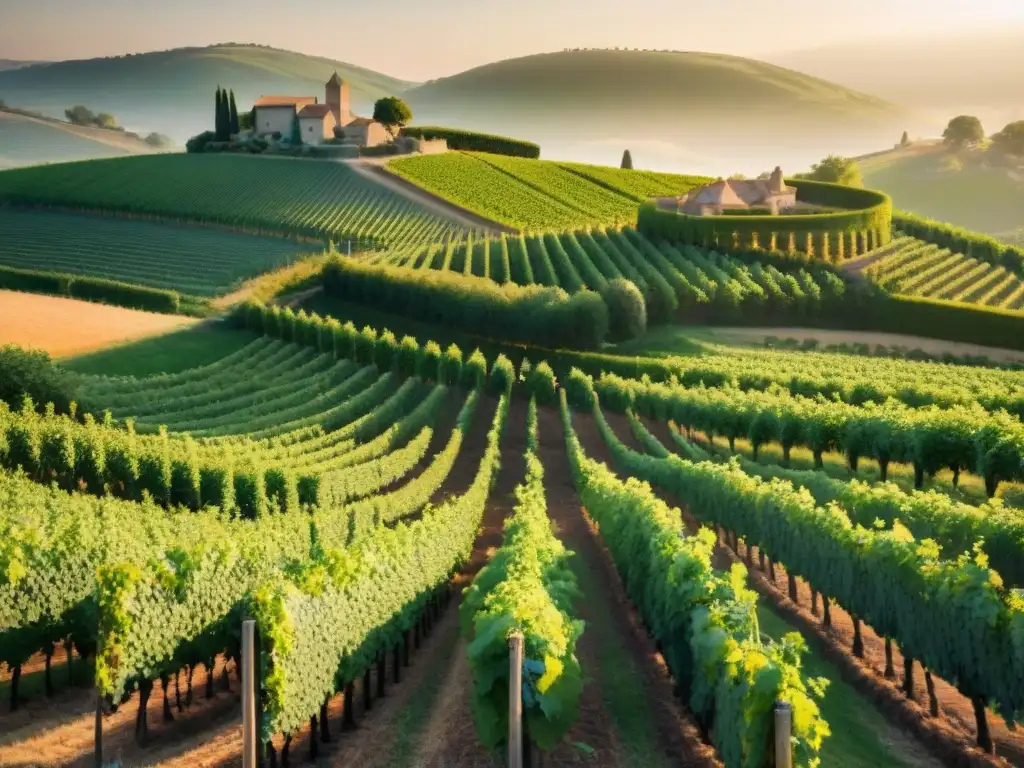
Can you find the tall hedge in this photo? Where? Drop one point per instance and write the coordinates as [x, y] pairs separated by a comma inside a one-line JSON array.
[[533, 314], [974, 244], [471, 141], [864, 224], [90, 289]]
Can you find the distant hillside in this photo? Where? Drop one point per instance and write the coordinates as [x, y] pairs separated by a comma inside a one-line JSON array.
[[6, 64], [961, 188], [962, 71], [171, 92], [26, 140], [704, 103]]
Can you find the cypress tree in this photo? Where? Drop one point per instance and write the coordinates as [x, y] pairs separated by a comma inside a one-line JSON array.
[[225, 115], [217, 127], [233, 112], [627, 161]]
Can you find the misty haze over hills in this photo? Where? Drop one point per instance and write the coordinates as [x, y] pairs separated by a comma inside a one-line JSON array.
[[978, 72]]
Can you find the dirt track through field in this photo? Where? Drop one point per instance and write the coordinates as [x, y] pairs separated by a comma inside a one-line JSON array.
[[375, 172], [68, 326]]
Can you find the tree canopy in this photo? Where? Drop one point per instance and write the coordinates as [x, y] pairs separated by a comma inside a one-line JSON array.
[[1010, 139], [391, 111], [627, 161], [79, 115], [837, 170], [962, 131]]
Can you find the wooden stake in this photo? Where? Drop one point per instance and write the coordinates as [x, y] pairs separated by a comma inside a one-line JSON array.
[[249, 735], [97, 747], [783, 735], [515, 701]]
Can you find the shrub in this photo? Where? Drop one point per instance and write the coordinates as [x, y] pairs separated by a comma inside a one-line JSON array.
[[579, 390], [90, 289], [540, 383], [32, 373], [546, 316], [198, 142], [430, 362], [474, 371], [407, 356], [471, 141], [502, 376], [627, 313], [451, 366]]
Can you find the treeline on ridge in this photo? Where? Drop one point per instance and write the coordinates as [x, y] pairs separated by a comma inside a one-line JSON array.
[[472, 141], [541, 315]]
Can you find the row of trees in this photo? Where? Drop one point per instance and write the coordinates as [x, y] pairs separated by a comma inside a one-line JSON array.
[[967, 131], [226, 115]]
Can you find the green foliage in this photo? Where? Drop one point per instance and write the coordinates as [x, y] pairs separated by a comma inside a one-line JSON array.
[[502, 376], [865, 224], [526, 588], [91, 289], [540, 382], [627, 312], [963, 130], [896, 584], [296, 132], [233, 114], [836, 170], [627, 161], [80, 115], [905, 140], [471, 141], [535, 195], [197, 143], [705, 622], [31, 373], [1011, 139], [973, 244], [533, 314], [391, 111]]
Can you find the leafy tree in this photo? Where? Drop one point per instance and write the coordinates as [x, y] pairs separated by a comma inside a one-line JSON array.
[[1011, 139], [105, 120], [218, 123], [905, 140], [247, 120], [627, 161], [233, 113], [962, 131], [837, 170], [198, 142], [32, 373], [391, 111], [158, 140]]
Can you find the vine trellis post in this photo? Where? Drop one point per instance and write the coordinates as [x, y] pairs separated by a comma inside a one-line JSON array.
[[250, 728], [515, 700], [783, 735]]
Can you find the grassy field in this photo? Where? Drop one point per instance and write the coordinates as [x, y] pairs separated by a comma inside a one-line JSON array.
[[960, 189], [200, 261], [66, 327], [314, 199], [28, 142], [537, 194], [193, 347]]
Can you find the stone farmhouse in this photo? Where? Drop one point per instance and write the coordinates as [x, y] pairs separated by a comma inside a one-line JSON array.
[[317, 122], [725, 195]]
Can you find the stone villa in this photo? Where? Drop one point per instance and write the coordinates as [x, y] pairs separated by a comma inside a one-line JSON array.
[[725, 195], [317, 122]]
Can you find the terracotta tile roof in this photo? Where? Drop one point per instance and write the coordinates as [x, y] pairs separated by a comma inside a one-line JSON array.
[[361, 121], [284, 101], [315, 110]]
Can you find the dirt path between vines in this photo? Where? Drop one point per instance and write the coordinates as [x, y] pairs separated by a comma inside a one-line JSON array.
[[376, 172], [950, 738], [651, 729]]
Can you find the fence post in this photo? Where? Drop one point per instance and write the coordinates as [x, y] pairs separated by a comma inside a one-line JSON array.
[[783, 735], [97, 746], [249, 735], [515, 700]]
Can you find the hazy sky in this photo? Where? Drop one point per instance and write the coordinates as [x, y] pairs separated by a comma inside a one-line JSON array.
[[421, 39]]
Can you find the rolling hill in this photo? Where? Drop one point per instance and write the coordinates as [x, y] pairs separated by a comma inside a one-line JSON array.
[[961, 188], [704, 108], [27, 140], [6, 64], [171, 92]]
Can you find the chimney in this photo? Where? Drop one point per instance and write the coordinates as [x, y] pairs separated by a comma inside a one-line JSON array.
[[778, 184]]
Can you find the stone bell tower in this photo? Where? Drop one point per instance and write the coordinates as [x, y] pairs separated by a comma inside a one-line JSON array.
[[337, 100]]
